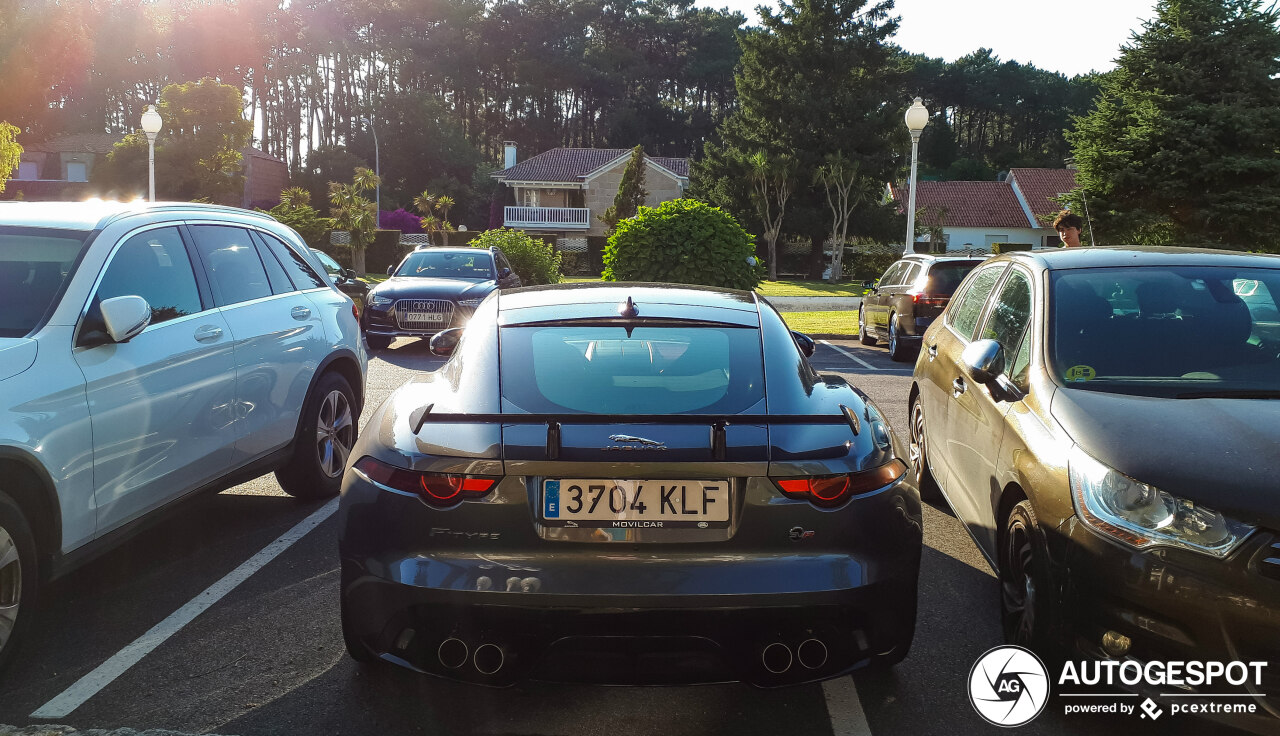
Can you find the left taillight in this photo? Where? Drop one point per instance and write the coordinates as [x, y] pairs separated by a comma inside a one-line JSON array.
[[355, 310], [931, 300], [829, 491], [438, 489]]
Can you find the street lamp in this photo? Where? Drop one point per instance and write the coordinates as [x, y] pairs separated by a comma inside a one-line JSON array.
[[917, 117], [151, 123], [377, 171]]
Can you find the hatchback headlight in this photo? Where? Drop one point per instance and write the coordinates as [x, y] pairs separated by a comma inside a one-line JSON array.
[[377, 300], [1143, 516], [473, 303]]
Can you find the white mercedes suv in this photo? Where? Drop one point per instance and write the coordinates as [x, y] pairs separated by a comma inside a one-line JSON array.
[[149, 353]]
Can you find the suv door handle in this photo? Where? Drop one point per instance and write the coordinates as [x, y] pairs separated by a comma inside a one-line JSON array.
[[208, 333], [300, 313], [933, 352], [958, 387]]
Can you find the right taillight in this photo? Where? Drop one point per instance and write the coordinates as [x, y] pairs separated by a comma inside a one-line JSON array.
[[931, 300], [438, 489], [829, 491]]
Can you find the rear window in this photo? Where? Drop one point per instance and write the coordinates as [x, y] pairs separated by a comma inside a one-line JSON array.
[[650, 370], [34, 263], [944, 277]]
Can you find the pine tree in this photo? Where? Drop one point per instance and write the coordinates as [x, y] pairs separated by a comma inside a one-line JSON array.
[[1180, 147], [631, 191]]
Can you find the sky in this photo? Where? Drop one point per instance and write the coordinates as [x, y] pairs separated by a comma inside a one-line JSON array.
[[1070, 37]]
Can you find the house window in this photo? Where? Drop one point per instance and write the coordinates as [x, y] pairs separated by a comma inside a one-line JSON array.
[[528, 197], [28, 171], [77, 172]]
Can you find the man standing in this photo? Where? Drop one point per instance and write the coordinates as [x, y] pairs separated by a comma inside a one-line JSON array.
[[1068, 226]]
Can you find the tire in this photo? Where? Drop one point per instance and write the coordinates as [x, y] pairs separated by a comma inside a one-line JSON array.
[[326, 434], [18, 578], [377, 342], [925, 481], [898, 351], [1028, 613], [863, 336]]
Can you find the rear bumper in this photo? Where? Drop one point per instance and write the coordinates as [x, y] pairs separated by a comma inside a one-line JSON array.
[[627, 640]]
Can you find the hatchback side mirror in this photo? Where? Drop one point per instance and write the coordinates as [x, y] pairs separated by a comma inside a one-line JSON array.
[[444, 343], [125, 317], [983, 360], [805, 343]]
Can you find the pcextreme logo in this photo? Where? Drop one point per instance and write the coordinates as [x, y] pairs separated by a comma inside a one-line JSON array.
[[1008, 686]]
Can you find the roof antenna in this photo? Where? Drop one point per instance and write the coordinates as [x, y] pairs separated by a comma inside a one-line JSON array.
[[628, 309]]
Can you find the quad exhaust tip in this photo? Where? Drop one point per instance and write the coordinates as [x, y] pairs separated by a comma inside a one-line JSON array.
[[489, 658], [812, 653], [776, 658], [453, 653]]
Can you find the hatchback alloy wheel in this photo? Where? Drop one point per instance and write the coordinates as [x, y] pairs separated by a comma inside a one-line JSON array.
[[1018, 587], [335, 433], [10, 585]]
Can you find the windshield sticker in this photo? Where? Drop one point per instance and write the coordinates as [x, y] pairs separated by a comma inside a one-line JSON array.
[[1081, 373]]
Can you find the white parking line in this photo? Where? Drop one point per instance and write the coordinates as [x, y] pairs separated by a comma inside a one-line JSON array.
[[849, 355], [844, 707], [89, 685]]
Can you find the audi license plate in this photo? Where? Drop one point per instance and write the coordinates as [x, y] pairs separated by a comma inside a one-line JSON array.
[[635, 504], [432, 317]]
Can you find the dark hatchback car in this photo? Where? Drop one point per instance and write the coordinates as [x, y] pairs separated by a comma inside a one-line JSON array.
[[343, 278], [1106, 423], [432, 290], [908, 298], [629, 484]]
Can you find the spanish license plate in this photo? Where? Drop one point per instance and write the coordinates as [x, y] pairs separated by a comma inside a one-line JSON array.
[[432, 317], [635, 504]]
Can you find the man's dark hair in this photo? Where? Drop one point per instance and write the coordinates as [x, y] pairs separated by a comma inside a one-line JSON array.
[[1067, 218]]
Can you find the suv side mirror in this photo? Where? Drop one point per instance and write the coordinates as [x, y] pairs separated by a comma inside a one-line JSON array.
[[444, 343], [125, 317], [504, 272], [391, 269], [983, 360], [351, 273], [805, 343]]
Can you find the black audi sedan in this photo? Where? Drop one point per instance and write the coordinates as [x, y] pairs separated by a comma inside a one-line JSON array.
[[628, 484], [432, 290]]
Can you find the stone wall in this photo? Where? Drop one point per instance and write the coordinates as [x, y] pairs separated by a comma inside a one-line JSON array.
[[603, 188]]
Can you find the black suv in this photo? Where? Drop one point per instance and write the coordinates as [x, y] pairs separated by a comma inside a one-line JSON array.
[[907, 298]]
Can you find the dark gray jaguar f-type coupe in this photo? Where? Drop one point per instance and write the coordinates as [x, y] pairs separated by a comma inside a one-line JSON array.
[[629, 484]]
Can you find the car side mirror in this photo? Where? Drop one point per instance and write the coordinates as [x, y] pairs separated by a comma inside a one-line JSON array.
[[805, 343], [444, 343], [391, 270], [504, 272], [125, 317], [983, 360], [351, 273]]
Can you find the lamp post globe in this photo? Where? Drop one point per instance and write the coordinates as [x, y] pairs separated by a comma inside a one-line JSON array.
[[916, 118], [151, 124]]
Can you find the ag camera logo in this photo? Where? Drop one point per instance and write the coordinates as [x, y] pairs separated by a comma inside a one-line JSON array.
[[1008, 686]]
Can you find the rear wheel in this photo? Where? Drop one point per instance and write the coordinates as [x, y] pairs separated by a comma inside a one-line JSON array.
[[898, 351], [1027, 612], [326, 435], [863, 336], [18, 575], [919, 454]]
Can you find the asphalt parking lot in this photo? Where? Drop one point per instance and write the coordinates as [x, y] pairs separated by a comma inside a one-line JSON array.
[[139, 638]]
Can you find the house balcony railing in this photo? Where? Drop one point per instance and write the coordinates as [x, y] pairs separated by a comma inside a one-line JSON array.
[[553, 218]]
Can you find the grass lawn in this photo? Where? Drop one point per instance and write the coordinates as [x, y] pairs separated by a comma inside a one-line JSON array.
[[374, 278], [823, 323], [781, 287]]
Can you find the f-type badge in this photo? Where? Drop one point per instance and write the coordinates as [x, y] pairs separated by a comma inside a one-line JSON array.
[[631, 442]]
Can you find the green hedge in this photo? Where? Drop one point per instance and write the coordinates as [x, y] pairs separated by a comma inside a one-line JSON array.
[[683, 241]]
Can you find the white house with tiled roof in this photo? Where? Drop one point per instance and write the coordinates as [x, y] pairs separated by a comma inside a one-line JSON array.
[[975, 215], [562, 192]]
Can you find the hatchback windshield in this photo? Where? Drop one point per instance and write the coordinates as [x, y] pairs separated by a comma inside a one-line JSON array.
[[447, 265], [33, 264], [1184, 332], [647, 370]]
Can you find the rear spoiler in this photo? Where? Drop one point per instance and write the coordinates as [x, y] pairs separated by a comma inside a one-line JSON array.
[[716, 422]]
